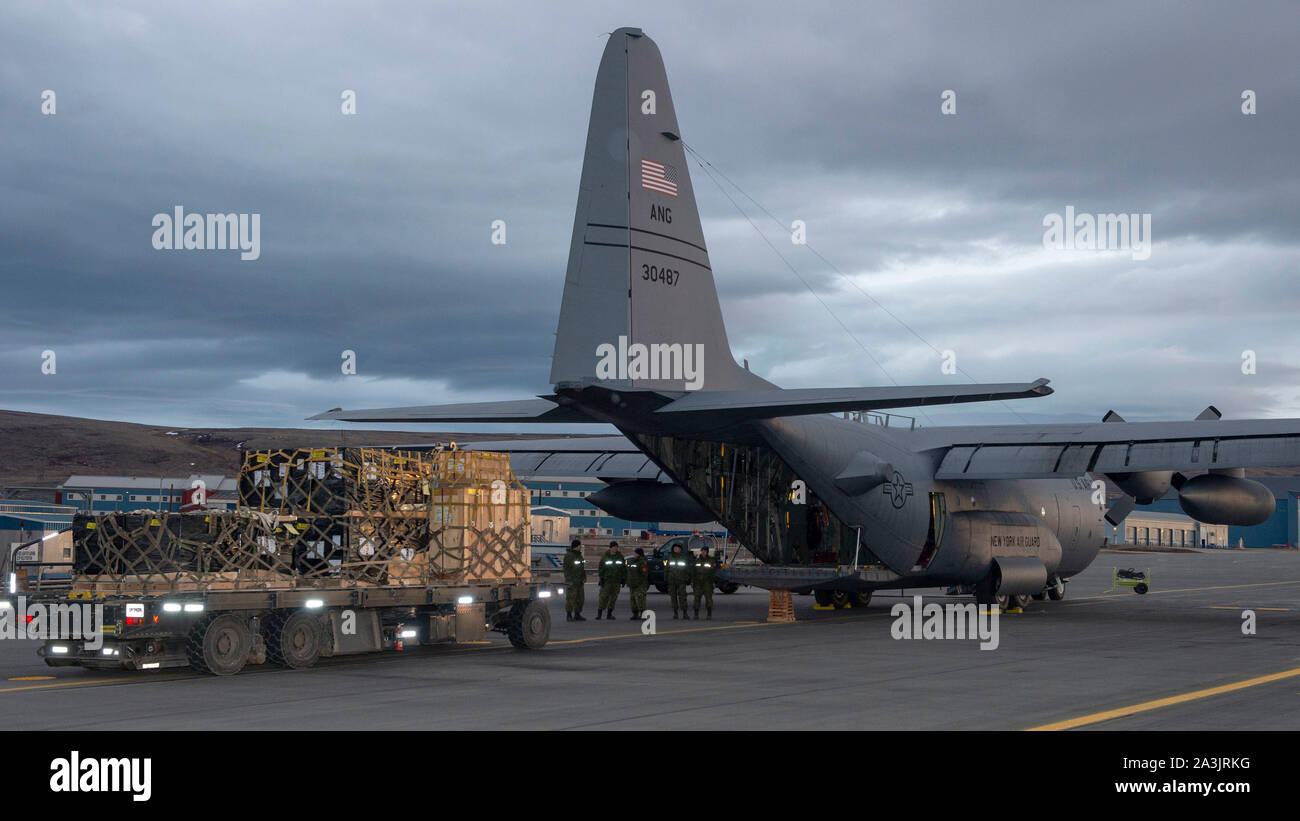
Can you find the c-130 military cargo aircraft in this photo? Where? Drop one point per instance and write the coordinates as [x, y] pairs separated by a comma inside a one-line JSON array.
[[828, 504]]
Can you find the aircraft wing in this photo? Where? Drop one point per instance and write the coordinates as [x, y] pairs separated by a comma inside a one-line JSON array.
[[608, 458], [519, 410], [731, 407], [1065, 450]]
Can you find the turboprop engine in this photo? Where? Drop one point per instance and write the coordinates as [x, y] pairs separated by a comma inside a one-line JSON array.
[[1144, 486], [1225, 498]]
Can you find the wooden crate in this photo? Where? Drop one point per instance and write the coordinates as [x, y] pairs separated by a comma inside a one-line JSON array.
[[780, 606], [480, 533]]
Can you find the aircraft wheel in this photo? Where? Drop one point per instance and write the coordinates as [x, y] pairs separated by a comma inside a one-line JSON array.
[[839, 599], [1039, 596], [1009, 601], [823, 597], [862, 599], [1057, 591], [728, 587]]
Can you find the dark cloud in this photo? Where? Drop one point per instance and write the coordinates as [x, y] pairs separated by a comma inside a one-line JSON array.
[[375, 228]]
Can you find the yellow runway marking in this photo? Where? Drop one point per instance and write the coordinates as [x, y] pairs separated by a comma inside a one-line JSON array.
[[31, 678], [102, 683], [1244, 607], [1185, 590], [668, 632], [740, 625], [1146, 706], [347, 660]]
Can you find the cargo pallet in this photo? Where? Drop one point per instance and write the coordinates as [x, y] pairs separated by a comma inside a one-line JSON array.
[[333, 551]]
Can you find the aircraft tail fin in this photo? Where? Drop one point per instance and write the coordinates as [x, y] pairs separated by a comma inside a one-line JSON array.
[[640, 306]]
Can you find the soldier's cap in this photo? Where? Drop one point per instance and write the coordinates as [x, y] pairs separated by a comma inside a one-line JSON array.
[[575, 543], [613, 544], [640, 551]]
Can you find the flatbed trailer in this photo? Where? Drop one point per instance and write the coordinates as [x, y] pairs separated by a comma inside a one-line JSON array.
[[220, 632], [332, 551]]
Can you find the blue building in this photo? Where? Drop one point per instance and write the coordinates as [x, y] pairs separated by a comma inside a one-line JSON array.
[[1281, 529], [21, 521], [46, 526], [102, 494], [105, 494]]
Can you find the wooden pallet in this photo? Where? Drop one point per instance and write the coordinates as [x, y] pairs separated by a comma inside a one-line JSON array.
[[780, 606]]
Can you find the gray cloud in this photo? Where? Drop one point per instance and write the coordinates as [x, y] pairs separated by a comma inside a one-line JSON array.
[[375, 228]]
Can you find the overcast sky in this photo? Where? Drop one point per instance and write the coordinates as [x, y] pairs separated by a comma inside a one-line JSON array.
[[376, 228]]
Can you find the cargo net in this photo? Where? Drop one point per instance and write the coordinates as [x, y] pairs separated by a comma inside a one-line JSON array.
[[341, 517]]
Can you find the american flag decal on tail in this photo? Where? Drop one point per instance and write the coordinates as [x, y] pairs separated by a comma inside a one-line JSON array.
[[656, 176]]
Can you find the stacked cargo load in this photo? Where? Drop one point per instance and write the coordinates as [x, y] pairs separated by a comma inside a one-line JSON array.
[[403, 518], [154, 552], [327, 518]]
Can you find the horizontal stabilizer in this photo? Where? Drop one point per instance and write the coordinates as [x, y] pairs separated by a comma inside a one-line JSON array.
[[740, 406], [520, 410]]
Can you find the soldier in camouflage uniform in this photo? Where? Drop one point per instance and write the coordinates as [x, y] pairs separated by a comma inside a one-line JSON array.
[[575, 576], [702, 575], [611, 574], [638, 581], [677, 567]]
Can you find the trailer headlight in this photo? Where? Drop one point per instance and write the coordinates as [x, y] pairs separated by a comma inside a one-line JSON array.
[[194, 607], [465, 600], [108, 651], [151, 666], [61, 649], [559, 591], [543, 594], [315, 604], [408, 634], [172, 607]]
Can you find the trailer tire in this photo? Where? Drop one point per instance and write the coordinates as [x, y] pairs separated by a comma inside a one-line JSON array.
[[293, 639], [530, 625], [219, 644]]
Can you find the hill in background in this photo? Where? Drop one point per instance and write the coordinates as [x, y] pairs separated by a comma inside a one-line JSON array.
[[43, 450]]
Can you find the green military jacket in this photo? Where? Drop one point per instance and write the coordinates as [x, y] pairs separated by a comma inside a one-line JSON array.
[[638, 572], [613, 569], [677, 566], [575, 567], [704, 570]]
